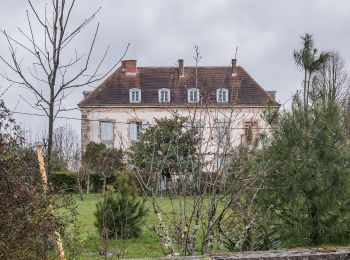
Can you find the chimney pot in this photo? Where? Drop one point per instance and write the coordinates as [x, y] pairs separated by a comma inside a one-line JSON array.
[[181, 68], [129, 67], [86, 93], [234, 67]]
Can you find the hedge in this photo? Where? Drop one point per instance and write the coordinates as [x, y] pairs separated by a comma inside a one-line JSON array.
[[67, 182]]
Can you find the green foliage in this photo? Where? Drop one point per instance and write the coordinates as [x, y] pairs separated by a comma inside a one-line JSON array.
[[268, 235], [166, 147], [67, 182], [120, 214], [256, 235], [103, 161], [307, 163], [92, 153], [64, 181], [308, 58], [308, 174], [310, 62], [109, 161], [27, 223], [58, 163]]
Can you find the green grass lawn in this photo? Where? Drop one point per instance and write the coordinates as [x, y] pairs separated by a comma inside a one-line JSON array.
[[147, 245]]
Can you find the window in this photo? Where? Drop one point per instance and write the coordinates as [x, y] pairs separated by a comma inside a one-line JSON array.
[[220, 162], [251, 132], [135, 130], [135, 95], [106, 129], [222, 95], [92, 130], [193, 95], [223, 132], [164, 95], [193, 125]]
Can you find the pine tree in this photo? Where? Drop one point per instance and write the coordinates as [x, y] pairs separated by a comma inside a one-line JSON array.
[[121, 214], [307, 165]]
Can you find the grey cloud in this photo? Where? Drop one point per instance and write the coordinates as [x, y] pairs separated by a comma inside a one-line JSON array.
[[161, 31]]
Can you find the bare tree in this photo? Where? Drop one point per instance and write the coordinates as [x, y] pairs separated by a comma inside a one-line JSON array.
[[203, 192], [56, 68], [66, 146], [332, 83]]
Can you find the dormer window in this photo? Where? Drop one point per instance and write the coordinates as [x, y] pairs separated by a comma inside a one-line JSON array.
[[222, 95], [193, 95], [135, 95], [164, 95]]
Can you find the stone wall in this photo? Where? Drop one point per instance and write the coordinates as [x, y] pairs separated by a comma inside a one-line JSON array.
[[296, 254]]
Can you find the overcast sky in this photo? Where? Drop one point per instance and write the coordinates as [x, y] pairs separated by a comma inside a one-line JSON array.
[[162, 31]]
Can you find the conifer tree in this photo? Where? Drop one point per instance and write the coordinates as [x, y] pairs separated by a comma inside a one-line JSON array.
[[308, 172], [121, 214]]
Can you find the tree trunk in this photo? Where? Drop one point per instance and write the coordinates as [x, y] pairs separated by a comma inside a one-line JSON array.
[[80, 186], [104, 186], [88, 184], [49, 141], [315, 233]]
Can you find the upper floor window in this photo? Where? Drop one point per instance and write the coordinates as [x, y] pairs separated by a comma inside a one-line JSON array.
[[135, 95], [106, 131], [222, 95], [193, 95], [164, 95]]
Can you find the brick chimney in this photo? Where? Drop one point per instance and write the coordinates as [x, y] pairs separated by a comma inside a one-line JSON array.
[[272, 95], [86, 93], [181, 68], [129, 67], [234, 67]]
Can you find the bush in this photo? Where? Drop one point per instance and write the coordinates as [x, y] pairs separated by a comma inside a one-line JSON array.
[[64, 181], [257, 234], [120, 214]]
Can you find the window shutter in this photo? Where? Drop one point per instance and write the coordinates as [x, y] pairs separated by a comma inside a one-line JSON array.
[[133, 131]]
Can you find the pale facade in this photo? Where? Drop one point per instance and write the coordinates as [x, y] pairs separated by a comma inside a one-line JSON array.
[[224, 102], [122, 121]]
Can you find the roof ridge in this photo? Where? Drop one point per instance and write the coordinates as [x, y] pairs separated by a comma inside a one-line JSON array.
[[174, 67]]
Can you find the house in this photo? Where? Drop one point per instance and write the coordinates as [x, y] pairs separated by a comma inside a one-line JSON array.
[[225, 101]]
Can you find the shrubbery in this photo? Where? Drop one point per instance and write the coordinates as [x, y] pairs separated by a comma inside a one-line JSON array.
[[64, 181], [121, 213]]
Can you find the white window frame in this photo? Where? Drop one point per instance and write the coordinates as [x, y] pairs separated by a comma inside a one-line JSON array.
[[135, 130], [222, 95], [137, 97], [193, 125], [162, 98], [112, 131], [189, 95]]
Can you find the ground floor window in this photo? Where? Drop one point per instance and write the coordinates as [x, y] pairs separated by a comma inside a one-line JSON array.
[[106, 131], [135, 130]]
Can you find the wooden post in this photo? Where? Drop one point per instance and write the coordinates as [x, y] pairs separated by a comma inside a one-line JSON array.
[[44, 183]]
